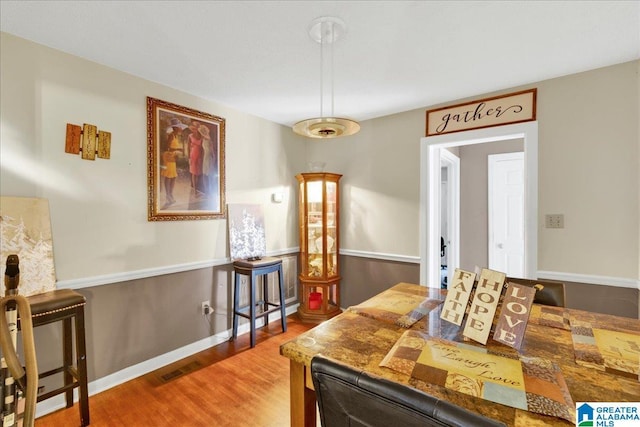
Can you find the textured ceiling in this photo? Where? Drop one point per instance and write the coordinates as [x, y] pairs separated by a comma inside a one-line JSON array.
[[257, 56]]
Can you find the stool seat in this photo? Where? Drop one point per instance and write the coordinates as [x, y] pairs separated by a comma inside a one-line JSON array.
[[65, 305], [254, 269], [60, 299], [258, 263]]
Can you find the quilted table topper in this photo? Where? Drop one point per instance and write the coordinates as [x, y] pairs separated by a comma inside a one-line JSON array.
[[529, 383], [397, 306]]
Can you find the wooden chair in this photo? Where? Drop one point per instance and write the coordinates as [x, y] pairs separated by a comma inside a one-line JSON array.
[[548, 292]]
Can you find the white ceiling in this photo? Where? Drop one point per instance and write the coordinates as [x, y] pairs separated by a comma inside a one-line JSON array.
[[257, 57]]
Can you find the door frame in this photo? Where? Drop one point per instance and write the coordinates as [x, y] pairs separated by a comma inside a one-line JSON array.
[[430, 192], [452, 162]]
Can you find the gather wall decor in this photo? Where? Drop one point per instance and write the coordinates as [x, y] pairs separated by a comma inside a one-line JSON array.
[[185, 163], [500, 110]]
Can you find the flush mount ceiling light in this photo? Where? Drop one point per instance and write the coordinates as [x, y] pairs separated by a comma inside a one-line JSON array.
[[326, 31]]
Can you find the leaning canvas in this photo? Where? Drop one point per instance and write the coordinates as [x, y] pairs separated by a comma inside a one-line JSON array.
[[25, 230], [246, 231]]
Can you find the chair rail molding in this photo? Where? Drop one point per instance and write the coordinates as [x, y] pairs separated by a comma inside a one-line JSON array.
[[88, 282], [620, 282]]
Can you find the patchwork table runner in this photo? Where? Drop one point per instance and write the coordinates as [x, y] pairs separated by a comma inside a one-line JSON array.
[[555, 317], [615, 349], [528, 383], [398, 307]]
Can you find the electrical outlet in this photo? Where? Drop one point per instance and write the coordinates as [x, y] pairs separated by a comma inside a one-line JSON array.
[[206, 308]]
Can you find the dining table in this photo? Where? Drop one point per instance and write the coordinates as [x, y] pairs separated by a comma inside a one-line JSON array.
[[558, 342]]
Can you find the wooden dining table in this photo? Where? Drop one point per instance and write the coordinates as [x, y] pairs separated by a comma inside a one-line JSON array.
[[363, 341]]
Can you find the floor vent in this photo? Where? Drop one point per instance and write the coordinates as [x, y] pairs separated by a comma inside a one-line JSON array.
[[183, 370]]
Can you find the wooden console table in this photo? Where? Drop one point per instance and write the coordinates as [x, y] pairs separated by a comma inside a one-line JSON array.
[[363, 342]]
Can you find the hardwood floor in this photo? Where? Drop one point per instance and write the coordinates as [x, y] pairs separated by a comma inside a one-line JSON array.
[[228, 385]]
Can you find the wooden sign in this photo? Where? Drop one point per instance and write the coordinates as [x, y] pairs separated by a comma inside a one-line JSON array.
[[514, 315], [72, 143], [88, 141], [500, 110], [458, 295], [484, 305], [104, 144]]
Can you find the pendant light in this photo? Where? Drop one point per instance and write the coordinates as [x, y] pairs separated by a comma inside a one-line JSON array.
[[326, 31]]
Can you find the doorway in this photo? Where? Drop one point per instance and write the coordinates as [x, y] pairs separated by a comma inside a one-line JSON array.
[[430, 215]]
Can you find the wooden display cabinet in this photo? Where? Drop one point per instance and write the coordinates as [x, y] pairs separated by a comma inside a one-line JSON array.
[[319, 243]]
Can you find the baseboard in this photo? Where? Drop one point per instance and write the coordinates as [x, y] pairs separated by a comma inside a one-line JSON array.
[[105, 383]]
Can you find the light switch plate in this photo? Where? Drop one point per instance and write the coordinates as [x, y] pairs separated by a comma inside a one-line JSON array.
[[554, 221]]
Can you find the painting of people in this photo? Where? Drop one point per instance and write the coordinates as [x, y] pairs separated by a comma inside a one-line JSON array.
[[185, 163]]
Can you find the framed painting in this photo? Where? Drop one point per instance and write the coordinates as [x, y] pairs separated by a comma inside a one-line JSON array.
[[185, 163]]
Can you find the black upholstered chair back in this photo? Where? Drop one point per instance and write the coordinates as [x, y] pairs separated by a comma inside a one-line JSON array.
[[352, 398], [548, 292]]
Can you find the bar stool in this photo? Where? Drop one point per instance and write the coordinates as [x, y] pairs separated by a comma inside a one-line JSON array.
[[255, 269], [65, 305]]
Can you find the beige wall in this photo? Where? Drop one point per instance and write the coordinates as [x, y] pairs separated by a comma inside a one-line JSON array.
[[99, 208], [380, 187], [588, 171]]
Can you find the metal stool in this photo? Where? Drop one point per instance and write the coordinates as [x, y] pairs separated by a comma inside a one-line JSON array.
[[65, 305], [254, 269]]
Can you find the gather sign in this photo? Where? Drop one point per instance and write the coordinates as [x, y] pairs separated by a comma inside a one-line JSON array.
[[496, 111]]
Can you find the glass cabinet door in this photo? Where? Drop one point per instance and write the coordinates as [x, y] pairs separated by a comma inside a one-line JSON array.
[[315, 222], [322, 229], [331, 231]]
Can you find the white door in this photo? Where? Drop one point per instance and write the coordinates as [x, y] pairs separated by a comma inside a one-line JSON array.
[[506, 213]]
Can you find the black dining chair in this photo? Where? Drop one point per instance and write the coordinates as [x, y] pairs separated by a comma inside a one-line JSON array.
[[349, 397], [548, 292]]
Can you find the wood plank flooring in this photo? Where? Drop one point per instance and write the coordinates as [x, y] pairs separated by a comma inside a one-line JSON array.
[[228, 385]]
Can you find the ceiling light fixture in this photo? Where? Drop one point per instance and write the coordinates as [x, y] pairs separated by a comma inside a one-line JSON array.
[[326, 31]]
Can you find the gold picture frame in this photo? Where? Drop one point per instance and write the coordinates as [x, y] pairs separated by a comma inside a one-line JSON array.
[[185, 163]]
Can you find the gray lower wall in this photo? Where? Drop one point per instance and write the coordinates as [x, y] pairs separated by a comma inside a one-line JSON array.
[[603, 299], [363, 278], [131, 322]]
